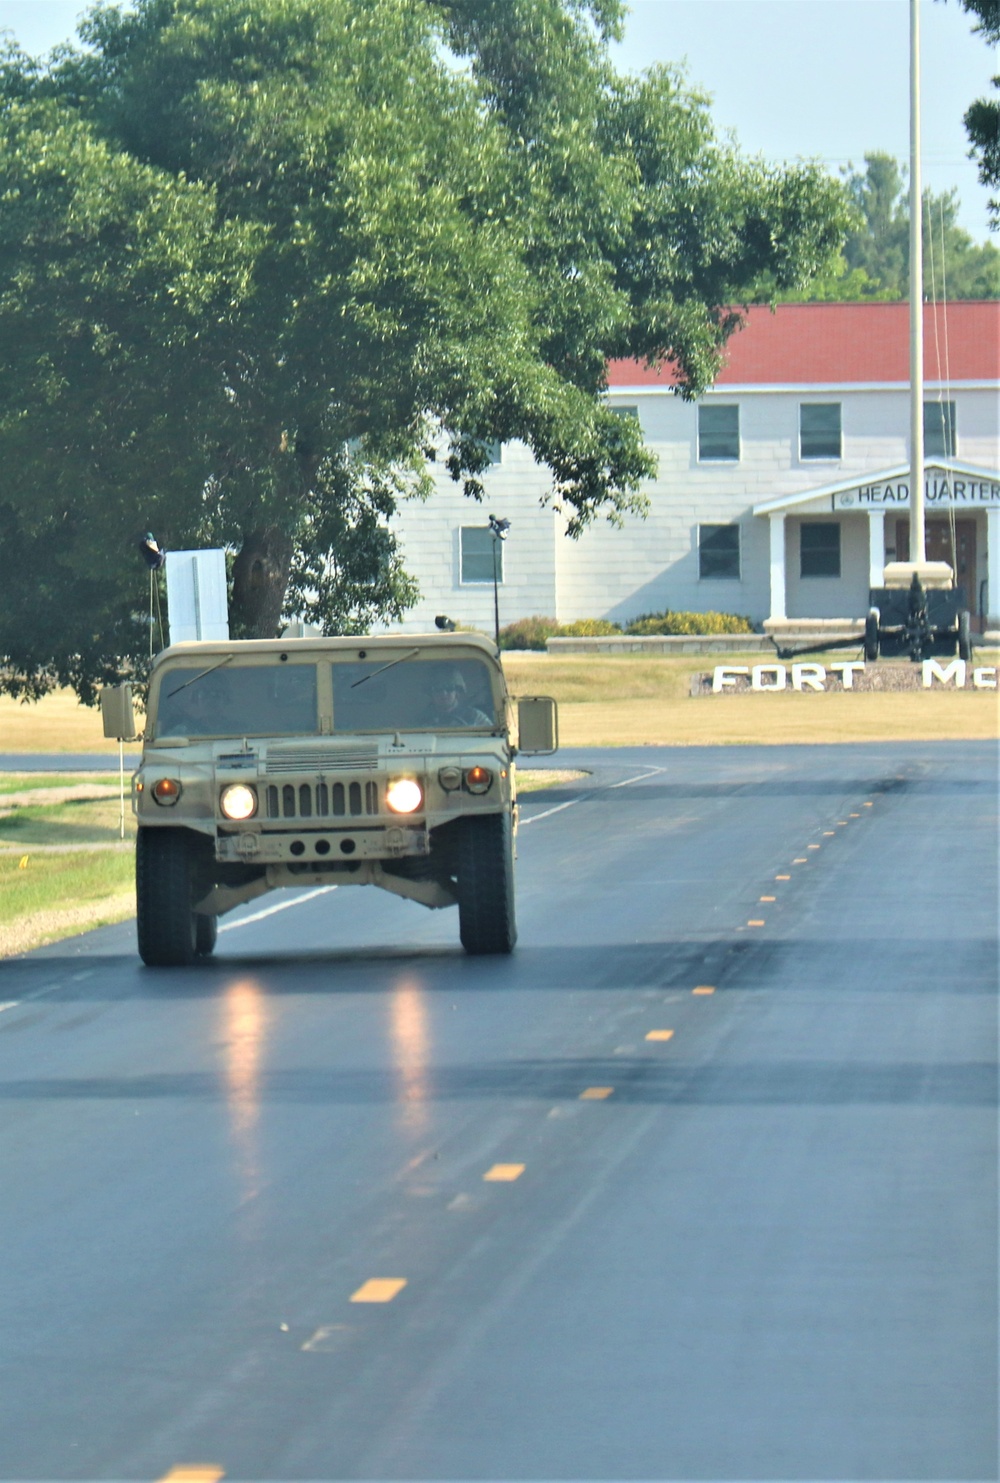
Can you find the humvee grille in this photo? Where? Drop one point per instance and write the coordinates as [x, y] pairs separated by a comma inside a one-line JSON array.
[[306, 759], [321, 800]]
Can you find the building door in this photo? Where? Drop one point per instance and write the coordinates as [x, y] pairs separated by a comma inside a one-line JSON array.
[[962, 559]]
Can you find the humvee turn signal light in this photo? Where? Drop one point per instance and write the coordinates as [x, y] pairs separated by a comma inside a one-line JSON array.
[[166, 791]]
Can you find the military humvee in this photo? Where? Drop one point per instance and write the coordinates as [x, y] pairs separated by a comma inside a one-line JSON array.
[[382, 761]]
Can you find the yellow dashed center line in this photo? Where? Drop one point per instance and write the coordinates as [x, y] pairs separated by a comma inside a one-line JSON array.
[[755, 922], [659, 1035], [801, 861], [855, 816], [812, 846], [503, 1173], [769, 898], [194, 1472], [596, 1094], [704, 989], [868, 805], [782, 877], [379, 1290], [829, 833]]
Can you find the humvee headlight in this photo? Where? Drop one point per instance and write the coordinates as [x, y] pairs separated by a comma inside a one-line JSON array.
[[166, 791], [478, 779], [404, 795], [238, 801]]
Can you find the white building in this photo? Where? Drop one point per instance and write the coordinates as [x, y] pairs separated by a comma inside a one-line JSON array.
[[780, 494]]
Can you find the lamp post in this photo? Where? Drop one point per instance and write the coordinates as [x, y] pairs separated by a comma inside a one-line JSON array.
[[498, 530]]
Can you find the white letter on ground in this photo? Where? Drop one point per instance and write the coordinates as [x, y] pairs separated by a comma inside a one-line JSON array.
[[760, 670], [955, 671], [813, 675], [985, 679], [848, 671], [725, 674]]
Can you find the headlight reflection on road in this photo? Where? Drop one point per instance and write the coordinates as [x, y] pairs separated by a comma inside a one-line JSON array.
[[244, 1026], [411, 1052]]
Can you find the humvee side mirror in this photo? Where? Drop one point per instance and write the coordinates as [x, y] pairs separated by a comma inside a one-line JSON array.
[[117, 713], [537, 725]]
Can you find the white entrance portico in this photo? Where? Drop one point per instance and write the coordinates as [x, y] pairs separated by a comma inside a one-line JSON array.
[[960, 492]]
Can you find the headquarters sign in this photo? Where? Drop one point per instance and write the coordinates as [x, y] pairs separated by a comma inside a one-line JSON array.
[[940, 490]]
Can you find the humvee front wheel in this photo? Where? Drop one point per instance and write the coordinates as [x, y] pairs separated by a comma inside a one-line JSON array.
[[486, 917], [964, 639], [164, 894], [206, 933]]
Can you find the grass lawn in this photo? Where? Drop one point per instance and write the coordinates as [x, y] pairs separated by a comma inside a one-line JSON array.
[[44, 897], [625, 700]]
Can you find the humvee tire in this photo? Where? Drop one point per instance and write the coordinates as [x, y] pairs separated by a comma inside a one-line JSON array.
[[486, 917], [964, 635], [164, 889], [206, 933], [871, 637]]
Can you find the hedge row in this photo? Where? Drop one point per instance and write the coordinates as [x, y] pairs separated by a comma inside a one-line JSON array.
[[531, 633]]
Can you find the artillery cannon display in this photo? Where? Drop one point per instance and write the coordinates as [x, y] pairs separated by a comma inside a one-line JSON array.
[[918, 613]]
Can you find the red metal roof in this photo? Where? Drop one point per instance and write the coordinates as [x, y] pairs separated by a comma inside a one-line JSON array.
[[836, 344]]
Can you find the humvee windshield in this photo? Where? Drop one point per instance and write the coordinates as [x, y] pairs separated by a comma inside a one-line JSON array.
[[412, 694], [401, 693], [238, 700]]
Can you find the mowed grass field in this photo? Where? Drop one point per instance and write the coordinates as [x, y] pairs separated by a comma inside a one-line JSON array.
[[64, 868], [625, 700], [631, 700]]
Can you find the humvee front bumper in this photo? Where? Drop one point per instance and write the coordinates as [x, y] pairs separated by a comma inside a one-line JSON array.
[[331, 846]]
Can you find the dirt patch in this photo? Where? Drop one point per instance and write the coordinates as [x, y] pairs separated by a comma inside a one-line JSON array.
[[37, 797]]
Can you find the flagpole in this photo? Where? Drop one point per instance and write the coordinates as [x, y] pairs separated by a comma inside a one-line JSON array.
[[918, 545]]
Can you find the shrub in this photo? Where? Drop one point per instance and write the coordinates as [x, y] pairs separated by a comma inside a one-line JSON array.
[[528, 633], [531, 633], [689, 623], [588, 628]]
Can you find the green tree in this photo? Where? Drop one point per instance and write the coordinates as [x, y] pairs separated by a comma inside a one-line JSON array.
[[875, 263], [263, 261], [982, 120]]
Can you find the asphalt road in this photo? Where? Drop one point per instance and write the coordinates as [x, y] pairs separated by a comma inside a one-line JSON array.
[[761, 1247]]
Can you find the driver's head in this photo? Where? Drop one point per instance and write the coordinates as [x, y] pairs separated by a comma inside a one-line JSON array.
[[448, 689]]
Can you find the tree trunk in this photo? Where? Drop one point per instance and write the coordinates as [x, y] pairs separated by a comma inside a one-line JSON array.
[[260, 579]]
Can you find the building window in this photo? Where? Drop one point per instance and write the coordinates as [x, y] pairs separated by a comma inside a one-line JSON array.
[[819, 549], [476, 546], [622, 410], [718, 433], [719, 552], [819, 430], [494, 450], [939, 429]]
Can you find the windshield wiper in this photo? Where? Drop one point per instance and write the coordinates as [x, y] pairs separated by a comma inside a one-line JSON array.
[[382, 669], [201, 676]]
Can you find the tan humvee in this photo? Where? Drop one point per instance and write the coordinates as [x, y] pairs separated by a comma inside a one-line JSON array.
[[346, 761]]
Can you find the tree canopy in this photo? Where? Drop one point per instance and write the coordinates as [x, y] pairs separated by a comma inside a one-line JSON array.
[[982, 120], [263, 262], [875, 262]]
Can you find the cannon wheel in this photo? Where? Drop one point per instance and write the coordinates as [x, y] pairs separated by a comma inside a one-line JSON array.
[[964, 635], [871, 637], [486, 920]]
